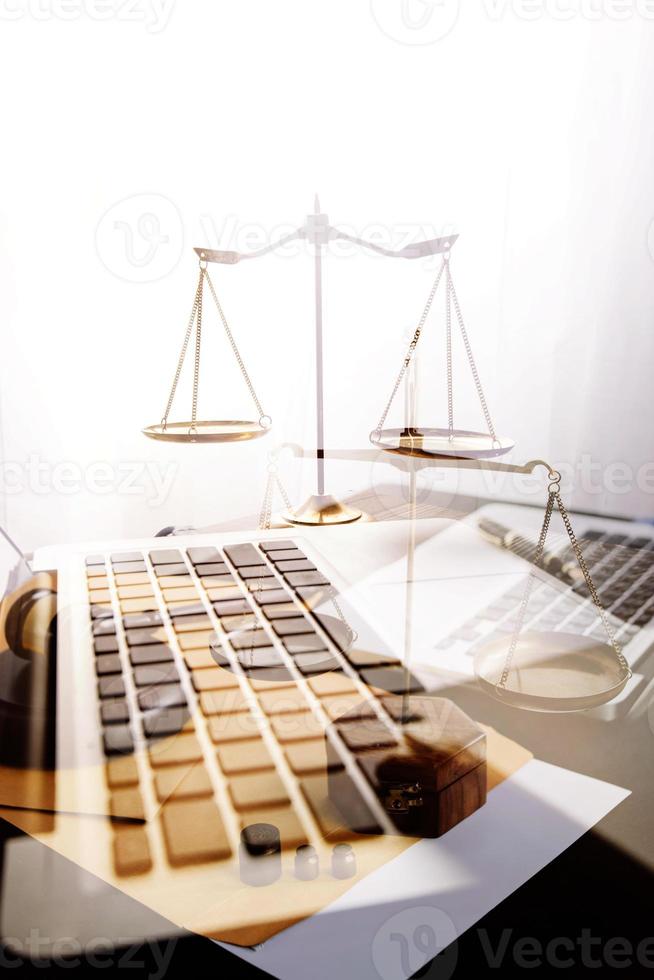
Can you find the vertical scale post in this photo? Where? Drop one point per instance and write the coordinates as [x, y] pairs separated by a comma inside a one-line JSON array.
[[321, 508], [320, 401]]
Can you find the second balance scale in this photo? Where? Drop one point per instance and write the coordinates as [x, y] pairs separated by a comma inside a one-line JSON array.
[[543, 671]]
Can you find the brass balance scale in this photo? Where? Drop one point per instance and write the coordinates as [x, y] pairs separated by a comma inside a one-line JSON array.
[[550, 671]]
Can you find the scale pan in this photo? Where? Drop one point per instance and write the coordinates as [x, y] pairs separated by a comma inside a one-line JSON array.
[[459, 444], [234, 430], [552, 671]]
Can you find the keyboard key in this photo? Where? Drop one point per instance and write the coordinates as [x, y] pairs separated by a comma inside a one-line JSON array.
[[296, 727], [101, 610], [225, 582], [361, 820], [339, 705], [184, 594], [392, 679], [232, 728], [232, 607], [144, 637], [267, 678], [114, 712], [255, 571], [107, 663], [366, 734], [182, 783], [198, 639], [222, 593], [122, 771], [154, 674], [147, 604], [242, 555], [283, 701], [94, 560], [119, 558], [291, 832], [311, 756], [201, 659], [96, 571], [299, 565], [261, 789], [271, 597], [111, 687], [316, 663], [277, 545], [233, 623], [133, 578], [305, 643], [169, 721], [306, 578], [174, 581], [106, 644], [117, 740], [331, 684], [227, 701], [193, 832], [126, 804], [213, 679], [96, 583], [285, 610], [262, 584], [249, 639], [142, 620], [204, 556], [166, 571], [212, 568], [362, 658], [103, 627], [164, 696], [288, 554], [292, 627], [135, 591], [249, 755], [260, 658], [154, 653], [190, 624], [130, 566], [175, 750], [166, 556], [131, 852]]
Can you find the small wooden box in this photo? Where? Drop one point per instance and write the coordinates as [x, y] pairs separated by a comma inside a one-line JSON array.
[[427, 767]]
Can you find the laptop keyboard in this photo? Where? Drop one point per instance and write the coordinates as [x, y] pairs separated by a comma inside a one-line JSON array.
[[622, 568], [219, 677]]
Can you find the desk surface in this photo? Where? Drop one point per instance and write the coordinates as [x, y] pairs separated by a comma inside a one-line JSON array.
[[600, 886]]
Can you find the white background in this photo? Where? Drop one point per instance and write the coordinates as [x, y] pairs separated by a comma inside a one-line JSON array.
[[531, 136]]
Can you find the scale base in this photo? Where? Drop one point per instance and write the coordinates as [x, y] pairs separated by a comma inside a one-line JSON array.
[[322, 510]]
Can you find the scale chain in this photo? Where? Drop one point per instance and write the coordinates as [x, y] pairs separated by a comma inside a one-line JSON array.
[[554, 496], [471, 359], [410, 351], [237, 355], [196, 366], [182, 356]]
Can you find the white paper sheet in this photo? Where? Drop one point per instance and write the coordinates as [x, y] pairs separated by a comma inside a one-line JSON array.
[[395, 920]]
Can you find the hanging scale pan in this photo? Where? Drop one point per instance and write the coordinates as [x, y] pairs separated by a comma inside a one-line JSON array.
[[195, 430], [553, 671], [450, 442]]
